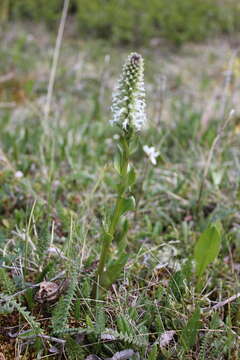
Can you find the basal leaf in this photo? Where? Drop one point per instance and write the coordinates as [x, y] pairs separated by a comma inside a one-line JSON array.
[[114, 270], [207, 248]]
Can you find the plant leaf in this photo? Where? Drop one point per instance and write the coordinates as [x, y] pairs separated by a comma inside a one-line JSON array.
[[131, 177], [207, 248], [114, 270], [118, 159], [127, 204], [189, 333]]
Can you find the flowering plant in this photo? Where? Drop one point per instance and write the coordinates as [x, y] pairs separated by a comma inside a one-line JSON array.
[[128, 108]]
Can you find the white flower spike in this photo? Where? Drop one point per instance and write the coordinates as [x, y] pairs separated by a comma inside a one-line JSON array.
[[128, 103], [151, 153]]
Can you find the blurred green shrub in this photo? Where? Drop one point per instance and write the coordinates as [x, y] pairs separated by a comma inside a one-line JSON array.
[[175, 20], [37, 10], [137, 21], [186, 20], [120, 20]]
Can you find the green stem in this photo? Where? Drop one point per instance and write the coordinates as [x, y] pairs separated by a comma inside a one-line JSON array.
[[107, 237], [106, 242], [115, 216]]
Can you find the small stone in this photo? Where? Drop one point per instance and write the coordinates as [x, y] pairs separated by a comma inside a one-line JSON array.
[[49, 291]]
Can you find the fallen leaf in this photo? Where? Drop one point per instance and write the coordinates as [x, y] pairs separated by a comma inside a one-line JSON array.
[[166, 337]]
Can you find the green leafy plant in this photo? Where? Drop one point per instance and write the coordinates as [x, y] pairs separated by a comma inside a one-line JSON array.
[[189, 333], [62, 310], [6, 283], [129, 115], [9, 305]]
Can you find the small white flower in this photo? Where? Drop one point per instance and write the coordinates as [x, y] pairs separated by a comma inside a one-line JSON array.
[[116, 137], [125, 124], [128, 102], [151, 153], [18, 174]]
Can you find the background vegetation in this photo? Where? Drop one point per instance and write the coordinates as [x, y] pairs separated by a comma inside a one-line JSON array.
[[136, 21]]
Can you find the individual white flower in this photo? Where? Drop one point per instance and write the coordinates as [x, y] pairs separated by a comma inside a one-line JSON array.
[[151, 153], [116, 137], [18, 174], [128, 102]]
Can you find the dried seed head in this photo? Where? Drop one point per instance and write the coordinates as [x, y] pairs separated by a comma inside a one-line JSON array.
[[128, 103]]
